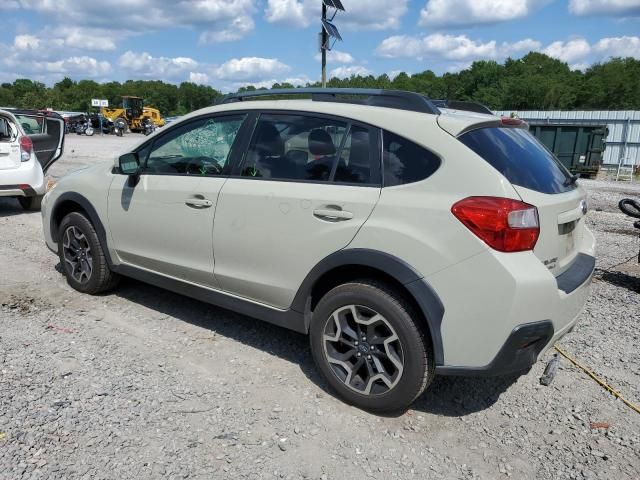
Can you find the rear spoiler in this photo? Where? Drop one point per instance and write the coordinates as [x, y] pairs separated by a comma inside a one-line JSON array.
[[463, 105]]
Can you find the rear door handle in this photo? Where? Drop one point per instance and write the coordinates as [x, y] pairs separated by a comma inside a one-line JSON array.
[[198, 202], [332, 215]]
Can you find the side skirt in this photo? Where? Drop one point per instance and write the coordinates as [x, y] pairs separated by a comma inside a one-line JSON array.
[[283, 318]]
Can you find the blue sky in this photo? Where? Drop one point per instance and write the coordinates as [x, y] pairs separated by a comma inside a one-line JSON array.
[[230, 43]]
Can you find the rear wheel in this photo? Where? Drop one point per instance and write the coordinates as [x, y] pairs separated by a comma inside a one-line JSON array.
[[82, 257], [31, 203], [366, 343]]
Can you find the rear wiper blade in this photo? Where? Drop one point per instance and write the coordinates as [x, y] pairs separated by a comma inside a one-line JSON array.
[[571, 180]]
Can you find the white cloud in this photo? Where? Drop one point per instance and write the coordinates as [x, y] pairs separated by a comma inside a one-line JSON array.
[[450, 47], [359, 15], [618, 47], [569, 51], [474, 12], [336, 56], [290, 12], [250, 69], [199, 78], [218, 20], [346, 72], [605, 7], [146, 65], [523, 46], [461, 49]]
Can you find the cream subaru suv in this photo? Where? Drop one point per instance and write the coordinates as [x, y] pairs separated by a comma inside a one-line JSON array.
[[406, 239]]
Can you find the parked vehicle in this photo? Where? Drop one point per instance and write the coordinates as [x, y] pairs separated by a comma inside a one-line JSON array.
[[147, 126], [119, 126], [134, 114], [30, 142], [405, 239]]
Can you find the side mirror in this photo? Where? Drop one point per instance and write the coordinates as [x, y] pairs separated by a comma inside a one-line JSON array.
[[129, 164]]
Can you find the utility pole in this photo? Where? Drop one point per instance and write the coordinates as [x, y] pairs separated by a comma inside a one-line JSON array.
[[323, 45], [328, 31]]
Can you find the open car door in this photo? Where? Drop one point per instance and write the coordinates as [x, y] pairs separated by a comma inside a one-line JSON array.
[[46, 130]]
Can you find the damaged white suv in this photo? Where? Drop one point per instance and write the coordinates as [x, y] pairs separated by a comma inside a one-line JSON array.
[[30, 141], [407, 240]]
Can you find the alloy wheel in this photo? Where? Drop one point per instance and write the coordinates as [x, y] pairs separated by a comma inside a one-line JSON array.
[[363, 350], [77, 254]]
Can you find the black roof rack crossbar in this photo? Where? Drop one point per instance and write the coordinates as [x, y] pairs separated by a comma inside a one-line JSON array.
[[374, 97]]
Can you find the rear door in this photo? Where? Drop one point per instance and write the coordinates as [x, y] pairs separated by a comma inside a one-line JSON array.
[[542, 181], [46, 130], [306, 185]]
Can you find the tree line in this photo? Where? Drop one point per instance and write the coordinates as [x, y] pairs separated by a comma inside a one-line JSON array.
[[533, 82]]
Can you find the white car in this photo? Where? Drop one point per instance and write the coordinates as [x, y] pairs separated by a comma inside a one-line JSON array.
[[30, 142], [405, 239]]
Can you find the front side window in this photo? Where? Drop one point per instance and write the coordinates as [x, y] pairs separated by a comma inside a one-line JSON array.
[[201, 147], [307, 148]]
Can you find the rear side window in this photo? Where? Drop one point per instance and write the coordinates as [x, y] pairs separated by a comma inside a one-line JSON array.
[[308, 148], [31, 124], [406, 162], [517, 155]]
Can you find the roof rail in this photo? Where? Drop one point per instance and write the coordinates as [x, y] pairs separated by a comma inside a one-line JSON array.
[[465, 105], [398, 99]]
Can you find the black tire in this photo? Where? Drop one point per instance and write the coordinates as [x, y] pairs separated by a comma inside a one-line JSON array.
[[101, 277], [418, 369], [31, 203]]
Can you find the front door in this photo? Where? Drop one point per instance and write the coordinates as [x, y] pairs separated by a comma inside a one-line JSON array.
[[305, 187], [163, 222]]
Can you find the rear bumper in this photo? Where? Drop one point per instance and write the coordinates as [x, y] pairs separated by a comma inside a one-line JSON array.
[[527, 341], [13, 182], [17, 191], [518, 353]]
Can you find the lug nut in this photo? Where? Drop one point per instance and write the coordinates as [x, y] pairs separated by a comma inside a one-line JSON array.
[[358, 354], [364, 339], [373, 347], [368, 357], [355, 343]]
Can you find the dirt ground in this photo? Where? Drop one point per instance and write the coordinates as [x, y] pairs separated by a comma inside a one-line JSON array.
[[141, 383]]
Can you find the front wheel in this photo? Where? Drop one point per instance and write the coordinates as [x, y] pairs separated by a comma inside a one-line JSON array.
[[366, 343], [82, 257]]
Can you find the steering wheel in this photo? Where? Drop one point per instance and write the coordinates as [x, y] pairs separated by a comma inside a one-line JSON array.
[[203, 166], [630, 207]]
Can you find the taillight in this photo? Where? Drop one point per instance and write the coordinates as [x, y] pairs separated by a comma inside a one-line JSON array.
[[504, 224], [26, 147]]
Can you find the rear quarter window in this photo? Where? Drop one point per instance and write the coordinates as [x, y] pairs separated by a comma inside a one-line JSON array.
[[522, 159], [404, 161]]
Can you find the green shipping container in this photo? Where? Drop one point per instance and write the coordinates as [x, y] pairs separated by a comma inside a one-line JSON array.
[[579, 148]]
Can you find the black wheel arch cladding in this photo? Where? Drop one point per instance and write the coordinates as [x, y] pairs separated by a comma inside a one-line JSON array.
[[423, 294]]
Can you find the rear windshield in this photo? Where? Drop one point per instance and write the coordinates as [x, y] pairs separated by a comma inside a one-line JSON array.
[[517, 155]]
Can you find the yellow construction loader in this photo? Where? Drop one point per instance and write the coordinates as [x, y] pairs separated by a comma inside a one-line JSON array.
[[134, 113]]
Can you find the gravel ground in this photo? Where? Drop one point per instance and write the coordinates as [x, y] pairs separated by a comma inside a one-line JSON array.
[[142, 383]]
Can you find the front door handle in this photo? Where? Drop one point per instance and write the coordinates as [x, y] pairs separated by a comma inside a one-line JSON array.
[[198, 202], [332, 215]]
